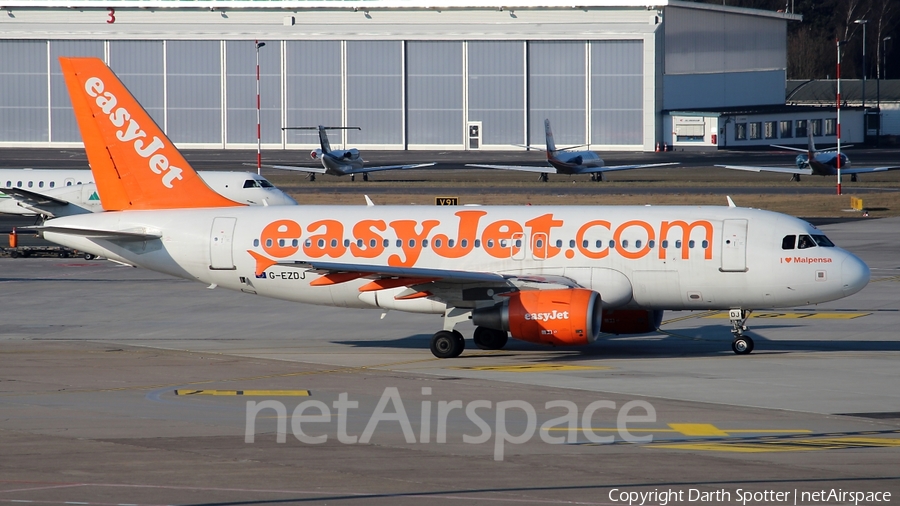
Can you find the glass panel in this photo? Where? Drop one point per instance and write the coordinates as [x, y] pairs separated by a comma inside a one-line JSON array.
[[194, 85], [240, 94], [556, 91], [63, 126], [374, 88], [497, 90], [23, 79], [617, 92], [313, 89], [139, 64], [434, 93]]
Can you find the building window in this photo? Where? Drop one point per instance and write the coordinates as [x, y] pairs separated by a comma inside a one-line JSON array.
[[784, 129], [800, 128], [771, 132], [740, 131], [755, 131], [817, 127], [830, 126]]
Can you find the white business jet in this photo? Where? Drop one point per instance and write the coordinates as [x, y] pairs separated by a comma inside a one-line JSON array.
[[553, 275]]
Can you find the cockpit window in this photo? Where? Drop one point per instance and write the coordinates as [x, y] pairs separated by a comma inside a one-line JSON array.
[[265, 183], [805, 242], [788, 242], [251, 183], [823, 241]]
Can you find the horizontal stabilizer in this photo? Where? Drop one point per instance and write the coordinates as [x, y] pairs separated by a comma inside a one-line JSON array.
[[133, 235], [317, 170], [780, 170], [31, 198]]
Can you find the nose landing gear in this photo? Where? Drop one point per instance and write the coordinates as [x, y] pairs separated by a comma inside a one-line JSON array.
[[742, 344]]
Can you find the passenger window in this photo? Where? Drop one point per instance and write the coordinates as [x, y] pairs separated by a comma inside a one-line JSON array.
[[691, 244], [539, 243], [424, 243], [518, 243], [637, 244], [41, 184], [9, 184], [559, 243], [255, 243], [412, 243], [612, 244], [788, 242], [678, 244], [31, 184], [385, 243], [704, 244], [477, 243], [651, 243], [805, 242], [450, 242], [268, 243], [571, 243], [665, 244], [437, 243], [68, 183], [19, 184], [399, 243], [321, 243], [295, 243], [372, 243], [625, 243], [503, 243], [584, 243], [281, 243], [359, 243], [52, 184], [308, 243], [490, 243], [463, 243], [334, 243], [346, 243]]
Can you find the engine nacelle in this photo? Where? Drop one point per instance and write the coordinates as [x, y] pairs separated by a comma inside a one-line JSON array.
[[314, 154], [568, 317], [631, 321]]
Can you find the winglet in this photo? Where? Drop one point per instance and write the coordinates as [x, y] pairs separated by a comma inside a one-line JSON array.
[[730, 202], [369, 202], [134, 164]]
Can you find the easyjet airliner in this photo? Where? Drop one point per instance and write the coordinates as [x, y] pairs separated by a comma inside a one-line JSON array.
[[552, 275]]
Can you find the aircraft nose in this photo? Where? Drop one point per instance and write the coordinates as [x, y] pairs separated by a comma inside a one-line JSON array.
[[288, 201], [854, 274]]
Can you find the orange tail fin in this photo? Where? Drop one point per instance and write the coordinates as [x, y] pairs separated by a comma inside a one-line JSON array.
[[135, 165]]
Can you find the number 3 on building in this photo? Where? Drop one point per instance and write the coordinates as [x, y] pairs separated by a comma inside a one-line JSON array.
[[112, 15]]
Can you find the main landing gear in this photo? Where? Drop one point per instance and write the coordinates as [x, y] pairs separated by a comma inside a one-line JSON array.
[[543, 177], [742, 345], [447, 344], [853, 178], [795, 178]]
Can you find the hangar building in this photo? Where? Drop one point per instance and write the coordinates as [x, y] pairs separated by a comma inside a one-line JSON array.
[[412, 74]]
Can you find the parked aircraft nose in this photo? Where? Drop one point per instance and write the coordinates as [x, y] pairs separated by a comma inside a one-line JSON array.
[[854, 275]]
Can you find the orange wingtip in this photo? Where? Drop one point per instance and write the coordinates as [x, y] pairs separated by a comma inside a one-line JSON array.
[[262, 262], [335, 278], [384, 284], [134, 164]]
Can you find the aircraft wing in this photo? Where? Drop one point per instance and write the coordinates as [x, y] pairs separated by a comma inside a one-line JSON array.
[[543, 169], [447, 285], [611, 168], [780, 170], [317, 170], [31, 198], [861, 170], [390, 167]]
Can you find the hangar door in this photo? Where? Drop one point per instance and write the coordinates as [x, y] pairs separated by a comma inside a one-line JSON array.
[[220, 244]]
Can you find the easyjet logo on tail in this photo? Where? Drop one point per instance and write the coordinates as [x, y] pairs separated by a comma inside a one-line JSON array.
[[130, 131]]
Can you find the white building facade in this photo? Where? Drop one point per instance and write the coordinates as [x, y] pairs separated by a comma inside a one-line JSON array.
[[411, 75]]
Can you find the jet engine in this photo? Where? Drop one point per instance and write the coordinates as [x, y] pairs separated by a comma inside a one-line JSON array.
[[631, 321], [314, 154], [567, 317]]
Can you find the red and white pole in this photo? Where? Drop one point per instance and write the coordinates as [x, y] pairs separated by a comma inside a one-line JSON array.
[[258, 129], [838, 117]]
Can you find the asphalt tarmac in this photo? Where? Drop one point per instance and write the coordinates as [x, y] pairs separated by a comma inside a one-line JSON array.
[[122, 386]]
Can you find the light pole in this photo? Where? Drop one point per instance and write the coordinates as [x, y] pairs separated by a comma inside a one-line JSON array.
[[839, 43], [863, 22], [258, 129], [883, 57]]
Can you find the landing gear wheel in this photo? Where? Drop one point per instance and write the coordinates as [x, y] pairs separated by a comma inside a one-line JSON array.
[[543, 177], [490, 339], [853, 178], [446, 344], [14, 254], [365, 176], [352, 177], [742, 345], [88, 256], [312, 177]]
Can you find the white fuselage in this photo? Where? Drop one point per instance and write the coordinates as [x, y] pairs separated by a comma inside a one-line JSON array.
[[244, 187], [642, 257]]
